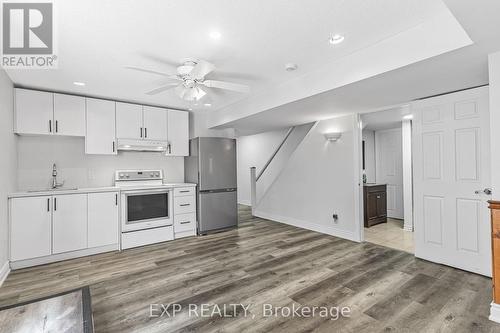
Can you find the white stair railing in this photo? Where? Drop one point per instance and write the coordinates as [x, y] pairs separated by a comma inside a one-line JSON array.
[[254, 178]]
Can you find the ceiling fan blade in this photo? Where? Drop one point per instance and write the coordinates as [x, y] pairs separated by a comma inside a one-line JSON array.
[[201, 69], [226, 86], [151, 71], [161, 89]]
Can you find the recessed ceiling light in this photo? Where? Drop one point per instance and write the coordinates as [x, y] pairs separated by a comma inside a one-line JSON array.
[[77, 83], [408, 117], [336, 39], [215, 35], [290, 67], [207, 104]]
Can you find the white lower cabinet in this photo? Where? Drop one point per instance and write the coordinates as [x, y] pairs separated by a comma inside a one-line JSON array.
[[69, 223], [184, 212], [50, 228], [30, 227], [102, 219]]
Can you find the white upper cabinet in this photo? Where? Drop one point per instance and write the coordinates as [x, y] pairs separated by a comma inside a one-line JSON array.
[[34, 112], [100, 136], [155, 123], [129, 121], [69, 115], [178, 133]]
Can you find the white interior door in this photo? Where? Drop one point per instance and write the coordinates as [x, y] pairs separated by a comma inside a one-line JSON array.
[[452, 162], [389, 168]]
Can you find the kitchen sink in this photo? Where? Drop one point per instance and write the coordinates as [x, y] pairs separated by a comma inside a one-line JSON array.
[[55, 189]]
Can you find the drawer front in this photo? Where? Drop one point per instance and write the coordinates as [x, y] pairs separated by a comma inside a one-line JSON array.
[[183, 205], [184, 191], [185, 222]]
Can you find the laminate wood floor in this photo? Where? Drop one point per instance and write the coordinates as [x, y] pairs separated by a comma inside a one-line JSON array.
[[265, 262]]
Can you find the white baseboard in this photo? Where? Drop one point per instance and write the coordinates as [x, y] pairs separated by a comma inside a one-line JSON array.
[[494, 312], [4, 272], [245, 202], [329, 230], [62, 256]]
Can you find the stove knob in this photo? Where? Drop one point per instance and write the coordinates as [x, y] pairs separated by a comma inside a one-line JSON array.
[[127, 176], [157, 174], [120, 175]]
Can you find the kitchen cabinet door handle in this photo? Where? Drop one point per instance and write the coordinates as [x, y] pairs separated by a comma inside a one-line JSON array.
[[378, 196], [113, 146], [141, 132], [55, 204], [50, 126], [57, 126], [116, 199], [145, 132], [183, 205], [185, 222], [48, 204]]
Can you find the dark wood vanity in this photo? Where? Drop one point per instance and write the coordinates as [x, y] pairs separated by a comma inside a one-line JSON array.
[[375, 204]]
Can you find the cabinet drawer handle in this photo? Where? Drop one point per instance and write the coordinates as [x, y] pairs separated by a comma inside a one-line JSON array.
[[378, 196], [185, 191], [185, 222], [183, 205]]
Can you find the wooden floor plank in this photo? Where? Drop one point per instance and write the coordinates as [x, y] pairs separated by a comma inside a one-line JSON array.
[[265, 262]]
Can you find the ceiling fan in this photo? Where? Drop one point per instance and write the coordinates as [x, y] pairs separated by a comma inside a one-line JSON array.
[[191, 80]]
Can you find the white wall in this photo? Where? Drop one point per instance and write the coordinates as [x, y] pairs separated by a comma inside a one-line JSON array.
[[198, 127], [36, 155], [494, 75], [319, 179], [254, 150], [369, 138], [8, 160]]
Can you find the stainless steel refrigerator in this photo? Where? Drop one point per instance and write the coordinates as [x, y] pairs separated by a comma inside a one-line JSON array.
[[212, 165]]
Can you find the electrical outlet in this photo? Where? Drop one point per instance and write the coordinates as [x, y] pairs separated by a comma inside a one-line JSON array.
[[335, 217]]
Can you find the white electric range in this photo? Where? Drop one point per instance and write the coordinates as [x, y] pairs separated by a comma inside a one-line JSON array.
[[146, 207]]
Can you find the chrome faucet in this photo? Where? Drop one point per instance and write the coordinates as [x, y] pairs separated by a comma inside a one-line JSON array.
[[55, 184]]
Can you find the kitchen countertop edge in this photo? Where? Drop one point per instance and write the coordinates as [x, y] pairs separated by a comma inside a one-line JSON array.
[[94, 190]]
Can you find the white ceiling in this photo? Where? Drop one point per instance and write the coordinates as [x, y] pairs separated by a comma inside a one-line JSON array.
[[463, 68], [96, 39], [386, 119]]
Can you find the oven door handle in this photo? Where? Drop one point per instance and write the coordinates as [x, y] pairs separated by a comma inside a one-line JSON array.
[[145, 192]]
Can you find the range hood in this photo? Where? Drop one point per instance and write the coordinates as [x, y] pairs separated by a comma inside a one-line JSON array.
[[142, 145]]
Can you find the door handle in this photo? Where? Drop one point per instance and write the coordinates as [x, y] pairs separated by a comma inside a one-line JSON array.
[[57, 126], [48, 204], [486, 191], [141, 132], [145, 132], [50, 126], [55, 204]]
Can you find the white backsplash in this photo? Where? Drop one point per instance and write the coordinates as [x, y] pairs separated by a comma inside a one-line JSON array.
[[37, 154]]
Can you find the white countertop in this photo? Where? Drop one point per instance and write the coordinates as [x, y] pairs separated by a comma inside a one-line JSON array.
[[62, 191]]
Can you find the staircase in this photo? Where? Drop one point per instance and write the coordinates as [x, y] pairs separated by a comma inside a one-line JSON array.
[[262, 180]]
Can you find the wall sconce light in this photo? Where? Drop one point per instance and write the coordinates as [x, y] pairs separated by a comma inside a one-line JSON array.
[[333, 136]]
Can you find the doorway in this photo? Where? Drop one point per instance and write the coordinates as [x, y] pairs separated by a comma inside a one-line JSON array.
[[387, 178]]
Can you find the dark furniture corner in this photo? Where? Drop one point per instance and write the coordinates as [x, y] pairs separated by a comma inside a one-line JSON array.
[[375, 204]]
